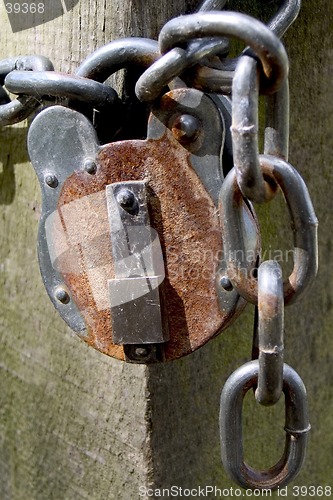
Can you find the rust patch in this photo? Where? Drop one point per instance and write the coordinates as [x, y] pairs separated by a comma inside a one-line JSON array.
[[269, 307], [186, 220]]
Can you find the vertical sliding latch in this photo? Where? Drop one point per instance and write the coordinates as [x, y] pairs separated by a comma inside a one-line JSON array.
[[136, 290]]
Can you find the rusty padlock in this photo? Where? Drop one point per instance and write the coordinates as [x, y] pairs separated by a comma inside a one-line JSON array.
[[130, 246]]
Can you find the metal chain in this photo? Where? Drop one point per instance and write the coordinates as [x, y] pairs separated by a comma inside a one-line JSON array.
[[53, 84], [215, 24], [33, 92], [270, 330], [193, 50], [15, 111], [255, 178], [296, 428], [303, 224]]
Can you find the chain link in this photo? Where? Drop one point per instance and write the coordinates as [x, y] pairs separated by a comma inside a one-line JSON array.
[[303, 223], [270, 331], [53, 84], [119, 54], [245, 124], [218, 79], [22, 107], [216, 24], [231, 429]]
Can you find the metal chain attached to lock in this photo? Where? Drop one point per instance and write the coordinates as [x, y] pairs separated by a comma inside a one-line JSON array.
[[192, 50]]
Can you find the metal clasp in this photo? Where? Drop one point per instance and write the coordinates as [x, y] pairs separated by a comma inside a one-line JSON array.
[[135, 292], [296, 427]]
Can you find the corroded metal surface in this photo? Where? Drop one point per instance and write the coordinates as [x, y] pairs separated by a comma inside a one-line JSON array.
[[185, 218], [180, 165]]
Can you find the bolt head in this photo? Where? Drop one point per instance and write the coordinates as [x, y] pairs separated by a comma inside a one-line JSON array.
[[186, 128], [90, 166], [127, 200], [226, 284], [141, 352], [62, 295], [51, 180]]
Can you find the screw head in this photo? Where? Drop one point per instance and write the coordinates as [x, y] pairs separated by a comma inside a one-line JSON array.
[[141, 352], [127, 200], [186, 128], [62, 295], [51, 180], [226, 284], [90, 166]]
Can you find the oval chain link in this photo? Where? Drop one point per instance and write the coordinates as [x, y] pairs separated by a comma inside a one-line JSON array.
[[304, 225], [22, 107], [219, 80], [51, 83], [245, 124], [205, 78], [262, 41], [296, 428], [270, 330]]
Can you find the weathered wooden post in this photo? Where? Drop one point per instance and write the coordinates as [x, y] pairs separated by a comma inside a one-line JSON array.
[[77, 424]]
